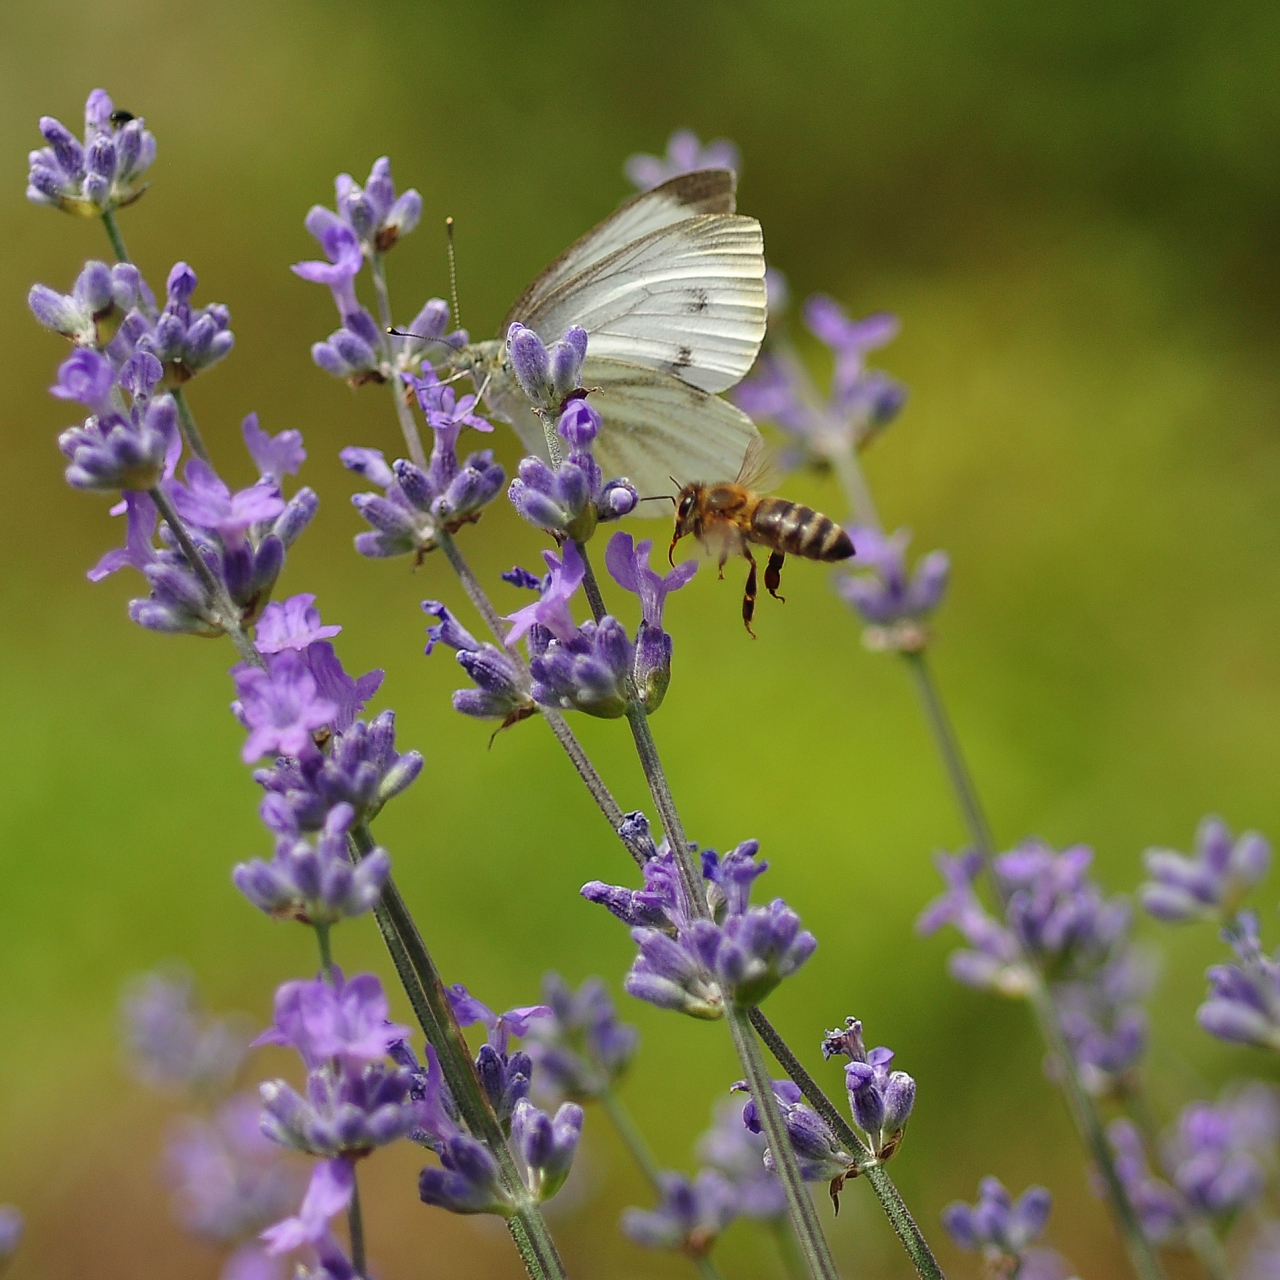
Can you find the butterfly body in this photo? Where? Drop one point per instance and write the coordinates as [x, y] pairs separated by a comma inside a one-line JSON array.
[[670, 289]]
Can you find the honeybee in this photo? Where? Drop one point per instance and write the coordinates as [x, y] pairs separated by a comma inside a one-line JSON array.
[[727, 517]]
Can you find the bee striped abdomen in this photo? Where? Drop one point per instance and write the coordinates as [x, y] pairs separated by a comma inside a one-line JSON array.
[[799, 530]]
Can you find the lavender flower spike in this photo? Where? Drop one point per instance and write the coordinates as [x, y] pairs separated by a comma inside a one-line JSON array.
[[374, 212], [94, 177], [998, 1226], [880, 1099], [1213, 883], [187, 340], [685, 154], [1161, 1211], [690, 1217], [817, 1149], [98, 302], [893, 605], [739, 1153], [501, 691], [546, 1144], [628, 564], [1244, 999], [504, 1075], [281, 707]]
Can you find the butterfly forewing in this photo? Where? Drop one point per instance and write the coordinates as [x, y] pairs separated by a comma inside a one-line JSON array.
[[688, 299], [686, 196]]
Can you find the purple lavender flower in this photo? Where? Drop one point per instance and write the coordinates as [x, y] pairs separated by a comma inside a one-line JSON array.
[[1209, 886], [94, 177], [374, 212], [171, 1041], [695, 965], [690, 1217], [861, 403], [547, 1145], [291, 624], [11, 1226], [91, 314], [548, 376], [732, 1148], [588, 672], [316, 884], [331, 1263], [275, 456], [994, 959], [208, 503], [628, 564], [361, 768], [879, 1099], [551, 611], [502, 689], [346, 1020], [281, 707], [229, 1181], [579, 1047], [1161, 1211], [328, 1194], [574, 497], [186, 340], [685, 154], [892, 604], [1215, 1152], [504, 1075], [998, 1226], [1244, 999], [116, 448], [817, 1149]]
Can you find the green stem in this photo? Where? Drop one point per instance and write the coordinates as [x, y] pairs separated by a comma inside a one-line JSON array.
[[227, 616], [804, 1216], [113, 234], [706, 1268], [187, 423], [326, 954], [632, 1138], [408, 425], [426, 992], [355, 1224], [891, 1202], [1208, 1249], [595, 784]]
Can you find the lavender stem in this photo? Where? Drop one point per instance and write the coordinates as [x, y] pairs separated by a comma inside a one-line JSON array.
[[1083, 1111], [425, 989], [355, 1224], [813, 1243], [407, 424], [789, 1249], [113, 234], [228, 616], [326, 954], [900, 1219], [190, 432]]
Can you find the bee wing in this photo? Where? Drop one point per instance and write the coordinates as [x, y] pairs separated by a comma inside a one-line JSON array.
[[759, 467], [687, 300], [653, 427], [686, 196]]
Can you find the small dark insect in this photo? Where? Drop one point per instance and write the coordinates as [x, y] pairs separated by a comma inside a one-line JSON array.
[[121, 118], [726, 517]]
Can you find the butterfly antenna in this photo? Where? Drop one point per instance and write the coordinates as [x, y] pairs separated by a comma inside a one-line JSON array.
[[659, 497], [453, 275]]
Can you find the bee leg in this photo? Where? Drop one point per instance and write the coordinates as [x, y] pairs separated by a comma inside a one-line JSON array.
[[773, 574], [724, 559], [749, 596]]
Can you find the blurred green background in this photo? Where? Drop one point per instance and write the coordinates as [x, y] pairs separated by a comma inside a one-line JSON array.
[[1075, 211]]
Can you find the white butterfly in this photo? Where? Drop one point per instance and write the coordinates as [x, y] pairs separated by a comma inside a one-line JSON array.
[[670, 289]]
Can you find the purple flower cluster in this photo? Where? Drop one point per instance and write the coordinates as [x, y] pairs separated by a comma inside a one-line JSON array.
[[880, 1100], [505, 1075], [578, 1047], [998, 1226], [1244, 998], [1212, 884], [685, 154], [696, 965], [738, 1152], [315, 883], [171, 1042], [893, 603], [691, 1215], [861, 403], [502, 688], [184, 339], [97, 175], [571, 499], [818, 1152], [92, 314], [415, 505]]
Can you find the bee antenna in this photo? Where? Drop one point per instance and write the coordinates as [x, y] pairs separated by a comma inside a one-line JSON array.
[[675, 482], [453, 275]]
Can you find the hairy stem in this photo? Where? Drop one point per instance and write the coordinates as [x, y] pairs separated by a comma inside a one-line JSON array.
[[600, 793], [632, 1138], [326, 952], [788, 1249], [804, 1216], [228, 616], [425, 989], [904, 1225], [355, 1224], [1208, 1249], [113, 234], [187, 424], [408, 425]]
